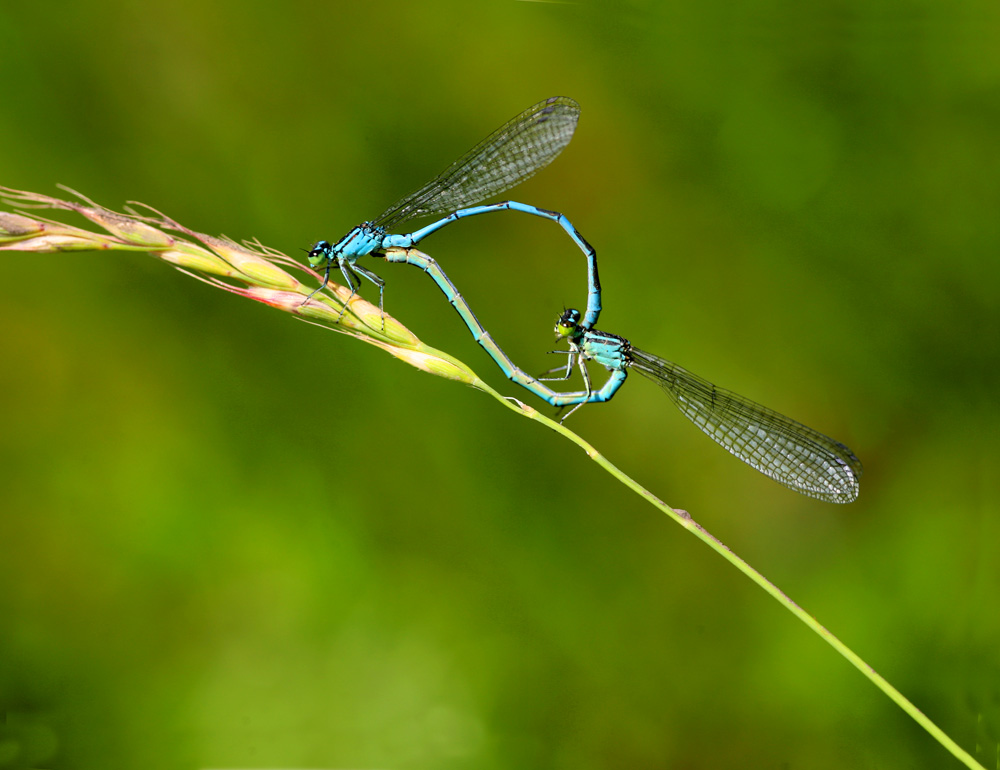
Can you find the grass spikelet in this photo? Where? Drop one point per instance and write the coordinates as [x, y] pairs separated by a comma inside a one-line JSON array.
[[249, 270]]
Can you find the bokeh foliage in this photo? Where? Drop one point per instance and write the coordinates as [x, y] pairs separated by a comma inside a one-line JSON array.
[[228, 540]]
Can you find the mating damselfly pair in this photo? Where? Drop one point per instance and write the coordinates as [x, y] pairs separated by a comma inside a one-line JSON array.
[[789, 452]]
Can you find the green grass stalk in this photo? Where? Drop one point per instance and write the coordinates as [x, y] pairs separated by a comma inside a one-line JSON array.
[[256, 272]]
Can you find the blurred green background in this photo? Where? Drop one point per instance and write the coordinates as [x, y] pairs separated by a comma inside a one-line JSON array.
[[232, 540]]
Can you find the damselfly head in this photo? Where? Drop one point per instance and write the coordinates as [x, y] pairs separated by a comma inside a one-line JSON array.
[[319, 253], [568, 324]]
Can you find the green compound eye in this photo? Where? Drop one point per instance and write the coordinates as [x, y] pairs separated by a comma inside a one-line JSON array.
[[568, 324]]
